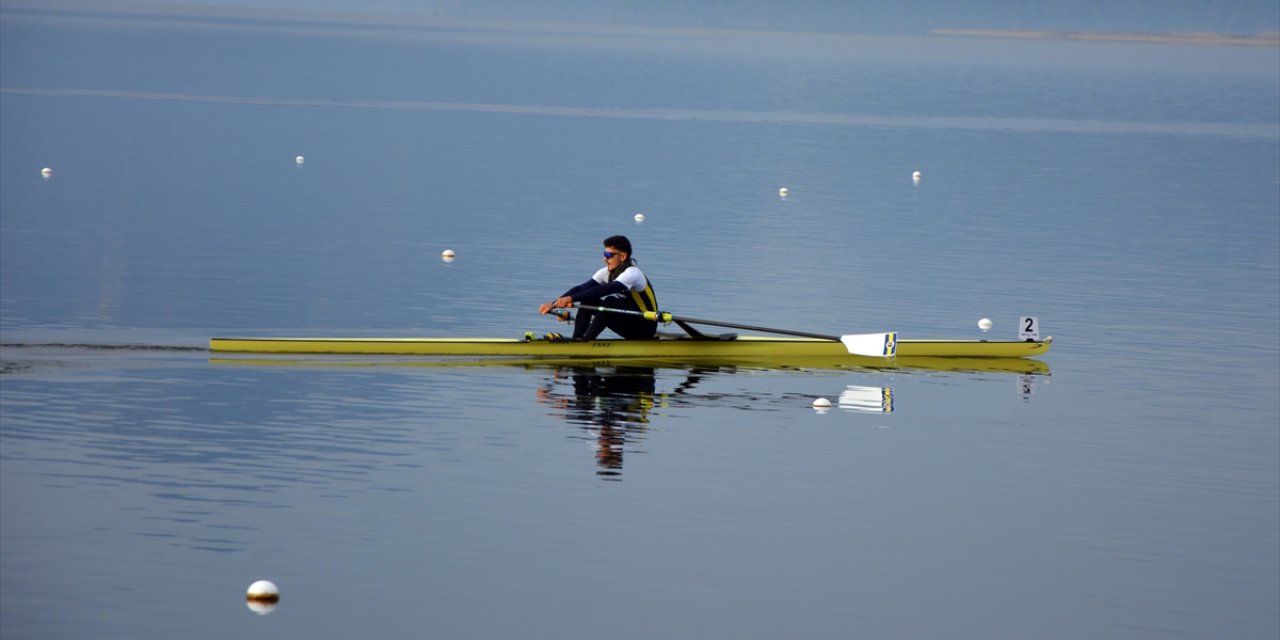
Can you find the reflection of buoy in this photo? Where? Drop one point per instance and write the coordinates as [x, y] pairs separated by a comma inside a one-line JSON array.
[[984, 324], [261, 608], [299, 160], [639, 217], [46, 172], [784, 192]]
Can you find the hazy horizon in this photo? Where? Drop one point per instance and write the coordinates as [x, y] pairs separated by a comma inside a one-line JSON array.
[[1240, 17]]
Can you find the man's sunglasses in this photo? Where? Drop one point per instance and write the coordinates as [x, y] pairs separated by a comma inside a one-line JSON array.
[[609, 254]]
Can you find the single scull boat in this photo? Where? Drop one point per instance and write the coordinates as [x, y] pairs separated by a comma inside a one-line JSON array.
[[871, 349], [666, 348]]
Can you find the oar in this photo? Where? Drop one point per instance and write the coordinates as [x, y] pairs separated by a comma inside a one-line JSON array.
[[880, 345]]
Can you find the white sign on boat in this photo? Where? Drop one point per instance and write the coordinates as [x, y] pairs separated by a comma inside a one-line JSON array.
[[1029, 328]]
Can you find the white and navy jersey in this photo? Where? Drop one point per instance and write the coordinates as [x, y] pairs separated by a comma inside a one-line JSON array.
[[632, 277], [630, 285], [637, 286]]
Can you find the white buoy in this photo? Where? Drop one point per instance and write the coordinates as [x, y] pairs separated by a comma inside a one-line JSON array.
[[262, 597], [448, 255], [639, 217], [299, 160], [821, 403], [984, 324], [784, 192], [915, 175], [46, 172]]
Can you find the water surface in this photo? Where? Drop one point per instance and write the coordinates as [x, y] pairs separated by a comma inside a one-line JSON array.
[[1132, 491]]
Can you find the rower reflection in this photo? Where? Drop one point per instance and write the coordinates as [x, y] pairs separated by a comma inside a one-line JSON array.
[[611, 404]]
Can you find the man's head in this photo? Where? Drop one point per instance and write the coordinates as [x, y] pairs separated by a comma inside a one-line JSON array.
[[617, 251]]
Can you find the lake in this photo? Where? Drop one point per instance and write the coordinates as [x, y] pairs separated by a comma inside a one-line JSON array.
[[1127, 195]]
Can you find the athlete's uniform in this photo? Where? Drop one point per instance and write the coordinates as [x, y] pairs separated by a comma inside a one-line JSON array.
[[625, 288]]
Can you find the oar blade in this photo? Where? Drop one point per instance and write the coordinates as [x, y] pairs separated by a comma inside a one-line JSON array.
[[875, 345]]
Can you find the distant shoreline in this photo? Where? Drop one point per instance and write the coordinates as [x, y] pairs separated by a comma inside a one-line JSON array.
[[1269, 39]]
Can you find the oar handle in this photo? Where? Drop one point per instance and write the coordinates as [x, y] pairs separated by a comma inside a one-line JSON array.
[[656, 316]]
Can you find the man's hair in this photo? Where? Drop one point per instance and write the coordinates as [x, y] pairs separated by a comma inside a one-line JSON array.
[[621, 243]]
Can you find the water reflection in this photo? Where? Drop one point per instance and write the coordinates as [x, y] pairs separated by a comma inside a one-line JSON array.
[[611, 405], [866, 399], [261, 608], [1024, 366]]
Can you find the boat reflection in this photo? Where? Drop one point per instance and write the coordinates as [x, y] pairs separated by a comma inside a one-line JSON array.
[[1025, 366], [612, 402]]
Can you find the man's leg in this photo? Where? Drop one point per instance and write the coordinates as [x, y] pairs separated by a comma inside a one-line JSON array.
[[589, 324], [632, 327]]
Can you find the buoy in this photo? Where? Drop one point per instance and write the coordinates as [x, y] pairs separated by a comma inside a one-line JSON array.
[[984, 324], [263, 591], [915, 175], [784, 192], [299, 160], [448, 255], [639, 217], [46, 172], [821, 403], [262, 597]]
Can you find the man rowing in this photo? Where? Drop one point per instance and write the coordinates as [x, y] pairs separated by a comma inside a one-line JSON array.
[[619, 284]]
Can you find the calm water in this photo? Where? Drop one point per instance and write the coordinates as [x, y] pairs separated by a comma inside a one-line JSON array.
[[1128, 196]]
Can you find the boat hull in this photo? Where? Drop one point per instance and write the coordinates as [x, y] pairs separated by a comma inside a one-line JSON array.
[[847, 362], [679, 348]]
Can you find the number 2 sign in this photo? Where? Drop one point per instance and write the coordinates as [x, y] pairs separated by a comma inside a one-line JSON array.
[[1029, 328]]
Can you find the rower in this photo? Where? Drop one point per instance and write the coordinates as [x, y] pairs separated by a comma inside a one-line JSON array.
[[619, 284]]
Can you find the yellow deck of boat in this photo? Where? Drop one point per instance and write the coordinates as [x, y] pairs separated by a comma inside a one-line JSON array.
[[994, 365], [677, 348]]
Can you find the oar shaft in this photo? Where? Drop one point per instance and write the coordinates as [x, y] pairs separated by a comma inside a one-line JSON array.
[[664, 317], [748, 327]]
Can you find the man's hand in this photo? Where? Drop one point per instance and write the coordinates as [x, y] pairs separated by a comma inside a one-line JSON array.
[[558, 303]]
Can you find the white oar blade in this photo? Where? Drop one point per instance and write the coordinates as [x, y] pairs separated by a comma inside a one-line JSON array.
[[876, 345]]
